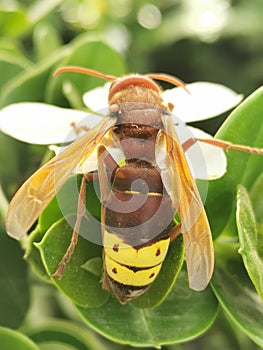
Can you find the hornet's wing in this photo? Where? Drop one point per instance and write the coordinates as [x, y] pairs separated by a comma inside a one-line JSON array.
[[36, 193]]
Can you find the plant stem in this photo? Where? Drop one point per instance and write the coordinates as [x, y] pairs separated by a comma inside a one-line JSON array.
[[3, 204]]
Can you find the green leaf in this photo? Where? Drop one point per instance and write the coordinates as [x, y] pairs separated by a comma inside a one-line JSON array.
[[55, 346], [249, 239], [236, 293], [39, 10], [223, 335], [68, 334], [32, 254], [13, 22], [257, 199], [244, 126], [94, 266], [3, 205], [14, 287], [30, 84], [66, 201], [46, 40], [183, 315], [13, 340], [81, 286], [84, 51], [10, 66], [11, 46], [17, 21]]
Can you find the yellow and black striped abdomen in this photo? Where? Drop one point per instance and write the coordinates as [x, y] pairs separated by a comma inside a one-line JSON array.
[[136, 232], [130, 265]]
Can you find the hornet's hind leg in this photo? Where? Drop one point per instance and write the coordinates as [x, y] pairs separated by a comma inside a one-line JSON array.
[[74, 239]]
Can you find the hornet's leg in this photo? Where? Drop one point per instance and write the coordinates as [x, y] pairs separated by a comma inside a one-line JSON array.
[[222, 144], [74, 239]]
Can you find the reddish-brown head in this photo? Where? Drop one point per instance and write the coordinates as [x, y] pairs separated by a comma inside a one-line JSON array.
[[135, 88], [130, 88]]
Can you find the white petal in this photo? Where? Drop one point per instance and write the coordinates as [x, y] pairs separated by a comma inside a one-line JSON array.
[[57, 149], [206, 161], [97, 98], [205, 100], [39, 123]]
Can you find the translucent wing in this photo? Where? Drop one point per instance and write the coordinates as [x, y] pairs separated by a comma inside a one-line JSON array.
[[35, 194], [186, 199]]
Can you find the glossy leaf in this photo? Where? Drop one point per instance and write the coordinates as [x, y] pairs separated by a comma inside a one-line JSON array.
[[257, 201], [11, 340], [39, 10], [46, 40], [3, 205], [67, 334], [183, 315], [94, 266], [14, 286], [30, 84], [10, 66], [236, 293], [12, 21], [50, 345], [32, 254], [15, 20], [222, 335], [243, 126], [249, 239], [81, 286]]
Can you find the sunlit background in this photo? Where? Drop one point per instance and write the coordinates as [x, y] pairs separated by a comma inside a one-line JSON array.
[[216, 40]]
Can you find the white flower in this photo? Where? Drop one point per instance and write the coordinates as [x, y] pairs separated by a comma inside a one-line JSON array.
[[41, 123], [97, 98], [206, 100]]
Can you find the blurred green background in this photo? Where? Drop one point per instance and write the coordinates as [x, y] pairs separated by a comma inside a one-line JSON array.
[[215, 40], [197, 40]]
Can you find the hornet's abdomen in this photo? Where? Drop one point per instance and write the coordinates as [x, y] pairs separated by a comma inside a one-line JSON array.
[[136, 237]]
